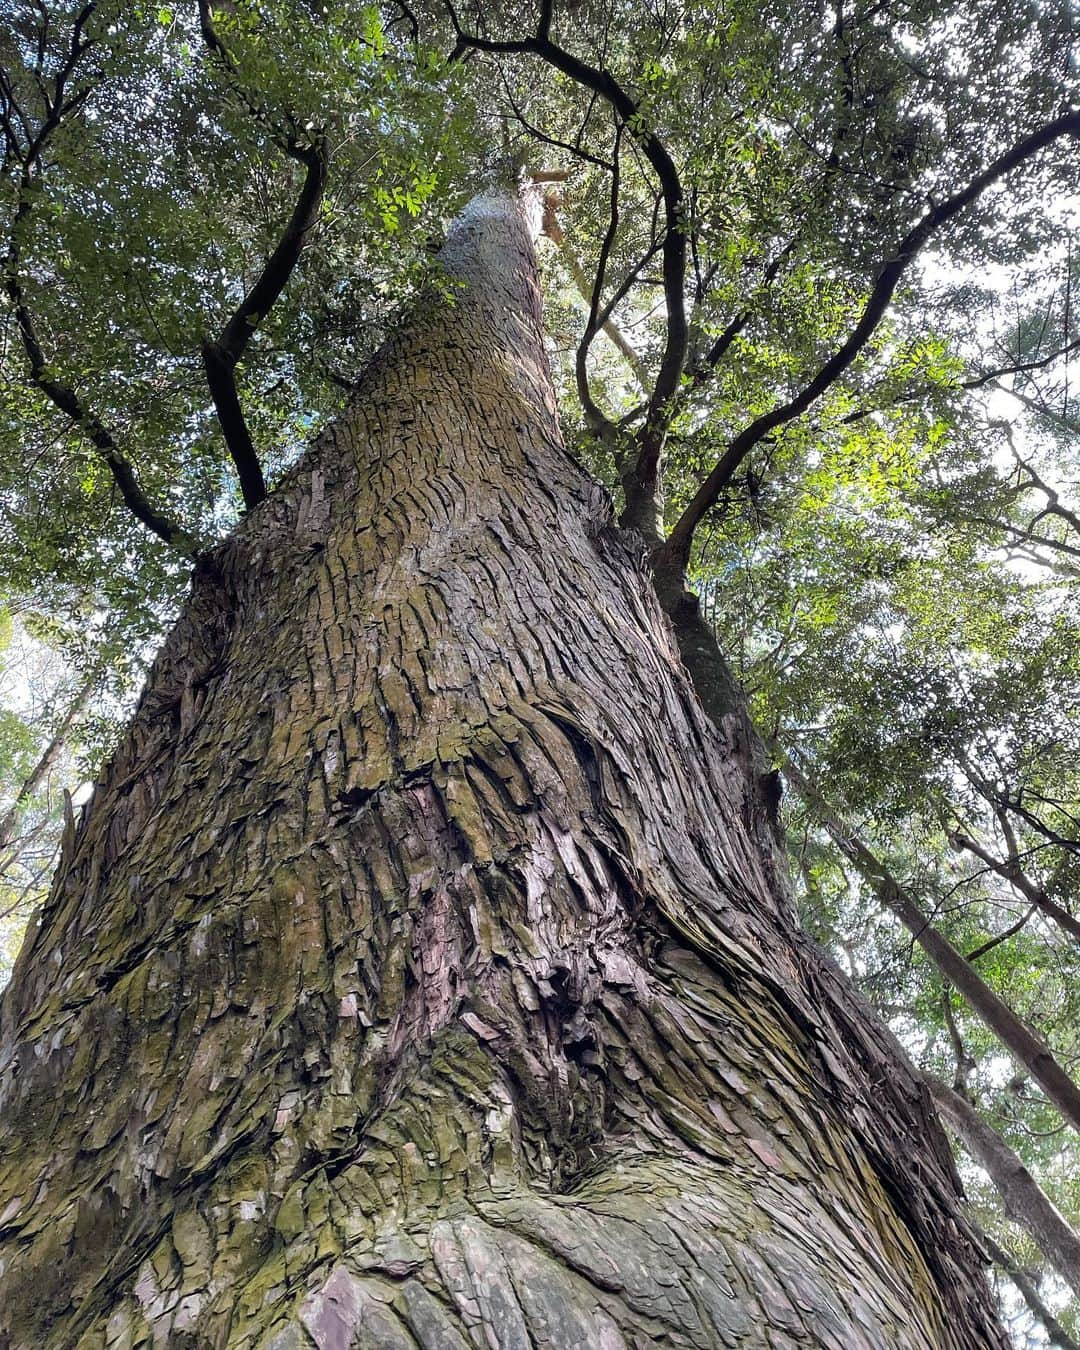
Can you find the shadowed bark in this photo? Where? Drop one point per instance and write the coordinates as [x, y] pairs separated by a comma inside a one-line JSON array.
[[414, 978]]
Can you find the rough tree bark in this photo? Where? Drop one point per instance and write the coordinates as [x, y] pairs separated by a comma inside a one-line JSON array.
[[414, 976]]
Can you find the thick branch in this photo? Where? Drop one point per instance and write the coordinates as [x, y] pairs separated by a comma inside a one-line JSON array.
[[677, 548], [220, 358], [262, 296], [1023, 1199]]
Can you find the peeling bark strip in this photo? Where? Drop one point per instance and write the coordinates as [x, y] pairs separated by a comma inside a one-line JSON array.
[[412, 978]]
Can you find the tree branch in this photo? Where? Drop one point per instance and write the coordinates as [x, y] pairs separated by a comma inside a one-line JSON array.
[[977, 382], [1026, 1047], [608, 327], [676, 550], [1021, 367], [1013, 873], [64, 397], [1022, 1197], [220, 356], [964, 1062], [1001, 801], [41, 770], [57, 105], [1069, 424], [596, 419], [1030, 1294], [716, 352], [998, 938]]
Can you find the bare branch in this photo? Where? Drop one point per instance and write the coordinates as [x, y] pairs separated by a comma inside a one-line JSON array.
[[41, 770], [596, 419], [1030, 1294], [976, 382], [1021, 367], [577, 150], [611, 330], [998, 938]]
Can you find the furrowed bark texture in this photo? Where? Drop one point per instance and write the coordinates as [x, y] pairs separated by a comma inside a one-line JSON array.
[[413, 978]]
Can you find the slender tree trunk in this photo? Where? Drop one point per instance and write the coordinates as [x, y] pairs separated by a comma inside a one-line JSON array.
[[413, 977], [1018, 1038], [1030, 1294], [9, 821], [1023, 1199]]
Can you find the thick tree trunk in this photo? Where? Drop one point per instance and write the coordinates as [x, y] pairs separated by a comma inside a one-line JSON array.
[[413, 977]]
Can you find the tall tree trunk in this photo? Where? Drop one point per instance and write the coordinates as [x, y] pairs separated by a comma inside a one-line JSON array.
[[413, 977]]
